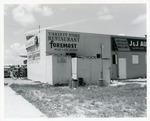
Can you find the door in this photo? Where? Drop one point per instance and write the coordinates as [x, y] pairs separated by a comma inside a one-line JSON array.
[[74, 68], [122, 68]]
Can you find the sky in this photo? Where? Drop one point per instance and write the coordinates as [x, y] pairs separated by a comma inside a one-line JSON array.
[[115, 19]]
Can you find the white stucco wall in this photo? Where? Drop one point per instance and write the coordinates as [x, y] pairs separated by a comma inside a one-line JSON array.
[[34, 71], [84, 69], [49, 69], [55, 69], [61, 69], [36, 68], [106, 71], [89, 69]]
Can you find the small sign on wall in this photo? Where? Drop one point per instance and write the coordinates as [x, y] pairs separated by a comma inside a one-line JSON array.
[[122, 44], [33, 48], [61, 60]]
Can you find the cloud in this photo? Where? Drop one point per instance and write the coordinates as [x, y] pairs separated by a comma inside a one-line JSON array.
[[62, 9], [103, 11], [72, 23], [12, 54], [15, 46], [106, 17], [47, 11], [104, 14], [24, 14], [140, 18], [6, 7], [19, 31], [17, 49], [64, 24], [12, 57]]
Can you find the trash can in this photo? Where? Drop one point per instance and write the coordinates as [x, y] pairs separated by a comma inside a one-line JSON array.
[[100, 82], [74, 83], [81, 82], [25, 72]]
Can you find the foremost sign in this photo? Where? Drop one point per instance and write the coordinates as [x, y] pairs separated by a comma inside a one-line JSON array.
[[62, 45], [59, 42], [122, 44]]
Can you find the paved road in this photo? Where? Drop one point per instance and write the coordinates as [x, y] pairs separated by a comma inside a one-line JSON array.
[[15, 106]]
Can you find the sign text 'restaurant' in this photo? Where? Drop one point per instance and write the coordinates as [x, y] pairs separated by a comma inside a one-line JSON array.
[[63, 40]]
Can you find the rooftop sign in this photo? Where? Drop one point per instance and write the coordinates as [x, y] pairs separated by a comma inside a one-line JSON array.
[[62, 42]]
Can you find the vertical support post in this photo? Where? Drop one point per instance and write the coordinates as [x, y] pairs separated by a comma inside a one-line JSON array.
[[101, 79], [101, 46]]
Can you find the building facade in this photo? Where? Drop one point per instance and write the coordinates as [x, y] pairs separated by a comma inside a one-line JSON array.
[[56, 56], [128, 57]]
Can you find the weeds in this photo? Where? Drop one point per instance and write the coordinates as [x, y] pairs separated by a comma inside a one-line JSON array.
[[89, 101]]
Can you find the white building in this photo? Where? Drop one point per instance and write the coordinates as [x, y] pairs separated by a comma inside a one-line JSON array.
[[57, 56]]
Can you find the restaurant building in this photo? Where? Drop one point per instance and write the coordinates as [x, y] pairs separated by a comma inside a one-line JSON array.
[[57, 56]]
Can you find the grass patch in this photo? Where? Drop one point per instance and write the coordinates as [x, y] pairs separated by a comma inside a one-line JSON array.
[[89, 101]]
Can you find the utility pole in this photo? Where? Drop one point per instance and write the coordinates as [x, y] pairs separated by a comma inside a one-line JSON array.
[[101, 79], [101, 46]]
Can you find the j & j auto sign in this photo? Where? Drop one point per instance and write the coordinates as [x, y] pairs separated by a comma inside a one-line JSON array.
[[122, 44]]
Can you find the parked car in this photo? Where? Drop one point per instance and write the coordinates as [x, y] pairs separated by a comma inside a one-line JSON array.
[[6, 72]]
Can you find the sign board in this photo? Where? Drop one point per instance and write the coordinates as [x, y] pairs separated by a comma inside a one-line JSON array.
[[137, 45], [62, 42], [122, 44], [125, 44], [33, 48], [30, 42]]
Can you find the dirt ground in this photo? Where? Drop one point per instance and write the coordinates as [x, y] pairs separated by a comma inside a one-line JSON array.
[[120, 99]]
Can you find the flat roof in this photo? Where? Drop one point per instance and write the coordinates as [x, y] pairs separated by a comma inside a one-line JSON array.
[[121, 36]]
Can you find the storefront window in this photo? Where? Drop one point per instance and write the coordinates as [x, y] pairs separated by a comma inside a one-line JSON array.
[[135, 59]]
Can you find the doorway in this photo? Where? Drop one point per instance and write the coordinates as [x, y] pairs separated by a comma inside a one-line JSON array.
[[122, 68]]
